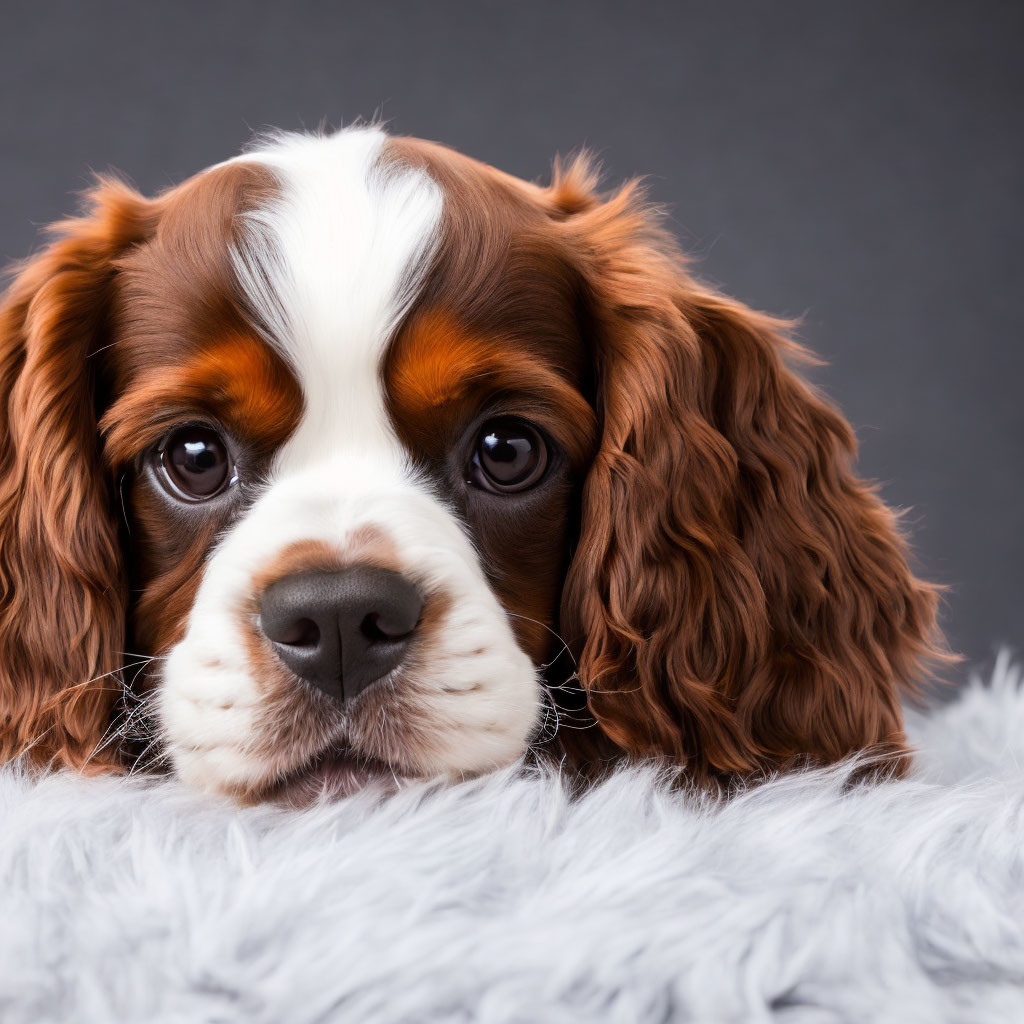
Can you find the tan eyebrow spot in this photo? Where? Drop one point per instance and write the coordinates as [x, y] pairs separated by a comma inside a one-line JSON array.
[[434, 362], [237, 377]]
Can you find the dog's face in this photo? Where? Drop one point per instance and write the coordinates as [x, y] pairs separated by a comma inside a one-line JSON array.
[[352, 465], [347, 432]]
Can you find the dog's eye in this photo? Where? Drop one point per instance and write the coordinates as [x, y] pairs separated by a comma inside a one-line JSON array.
[[509, 456], [196, 464]]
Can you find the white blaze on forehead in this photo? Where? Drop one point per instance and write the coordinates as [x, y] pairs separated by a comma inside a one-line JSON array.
[[330, 266]]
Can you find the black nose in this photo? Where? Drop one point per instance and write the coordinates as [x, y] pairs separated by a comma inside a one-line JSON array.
[[341, 631]]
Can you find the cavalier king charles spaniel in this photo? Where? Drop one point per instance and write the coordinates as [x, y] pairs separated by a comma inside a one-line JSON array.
[[364, 459]]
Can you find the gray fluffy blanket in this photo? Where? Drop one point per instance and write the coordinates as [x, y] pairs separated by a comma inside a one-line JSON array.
[[503, 900]]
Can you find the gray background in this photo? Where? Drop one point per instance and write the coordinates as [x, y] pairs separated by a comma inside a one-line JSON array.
[[858, 164]]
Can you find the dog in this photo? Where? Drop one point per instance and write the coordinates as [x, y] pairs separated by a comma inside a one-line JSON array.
[[370, 460]]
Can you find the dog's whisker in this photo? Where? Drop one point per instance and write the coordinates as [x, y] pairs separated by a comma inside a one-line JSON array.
[[565, 644]]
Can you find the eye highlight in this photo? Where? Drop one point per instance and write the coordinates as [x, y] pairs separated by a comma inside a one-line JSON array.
[[508, 456], [194, 463]]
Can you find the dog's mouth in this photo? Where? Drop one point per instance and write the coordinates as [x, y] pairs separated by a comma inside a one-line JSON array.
[[335, 774]]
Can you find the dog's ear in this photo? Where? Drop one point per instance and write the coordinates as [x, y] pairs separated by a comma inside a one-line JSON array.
[[741, 600], [62, 592]]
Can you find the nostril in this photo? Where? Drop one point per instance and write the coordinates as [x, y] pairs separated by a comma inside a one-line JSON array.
[[377, 628], [300, 633]]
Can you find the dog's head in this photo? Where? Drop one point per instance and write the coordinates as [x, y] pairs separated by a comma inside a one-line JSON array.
[[346, 433]]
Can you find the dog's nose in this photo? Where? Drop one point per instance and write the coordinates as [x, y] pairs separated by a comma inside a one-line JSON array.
[[341, 631]]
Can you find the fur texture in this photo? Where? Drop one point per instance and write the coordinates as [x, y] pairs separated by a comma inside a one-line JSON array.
[[504, 900]]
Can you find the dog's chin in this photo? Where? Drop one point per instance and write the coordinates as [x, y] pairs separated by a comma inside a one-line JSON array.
[[334, 775]]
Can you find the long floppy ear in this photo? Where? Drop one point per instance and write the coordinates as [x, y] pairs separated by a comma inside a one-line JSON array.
[[62, 595], [742, 600]]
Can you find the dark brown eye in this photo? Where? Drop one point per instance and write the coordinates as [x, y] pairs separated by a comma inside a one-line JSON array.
[[196, 463], [509, 456]]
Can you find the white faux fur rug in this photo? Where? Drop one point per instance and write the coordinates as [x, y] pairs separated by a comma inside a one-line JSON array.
[[501, 900]]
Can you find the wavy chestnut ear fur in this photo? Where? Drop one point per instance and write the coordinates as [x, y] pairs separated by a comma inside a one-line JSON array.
[[62, 594], [741, 600]]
